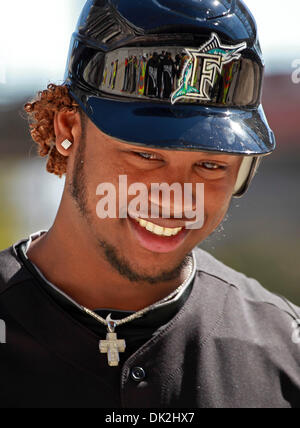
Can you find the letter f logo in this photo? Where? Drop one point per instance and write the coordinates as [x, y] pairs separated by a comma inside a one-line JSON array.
[[206, 61]]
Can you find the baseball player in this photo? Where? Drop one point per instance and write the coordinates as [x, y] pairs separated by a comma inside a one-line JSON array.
[[115, 307]]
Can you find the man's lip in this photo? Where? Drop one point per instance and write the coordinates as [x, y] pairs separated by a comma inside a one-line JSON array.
[[166, 223], [155, 243]]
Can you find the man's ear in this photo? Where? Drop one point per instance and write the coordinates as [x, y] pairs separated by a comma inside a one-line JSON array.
[[67, 128]]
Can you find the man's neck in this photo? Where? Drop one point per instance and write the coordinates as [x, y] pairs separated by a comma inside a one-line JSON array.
[[80, 271]]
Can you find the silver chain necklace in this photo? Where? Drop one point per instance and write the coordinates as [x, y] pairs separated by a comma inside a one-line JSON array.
[[112, 346]]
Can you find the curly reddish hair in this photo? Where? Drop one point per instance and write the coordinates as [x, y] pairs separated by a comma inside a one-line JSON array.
[[41, 112]]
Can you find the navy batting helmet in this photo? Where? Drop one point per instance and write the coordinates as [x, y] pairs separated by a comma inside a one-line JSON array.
[[173, 74]]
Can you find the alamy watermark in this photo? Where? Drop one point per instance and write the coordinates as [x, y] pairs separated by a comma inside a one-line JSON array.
[[2, 332], [296, 72], [296, 332], [161, 200]]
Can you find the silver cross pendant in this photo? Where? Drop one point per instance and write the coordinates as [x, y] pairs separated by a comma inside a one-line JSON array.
[[112, 345]]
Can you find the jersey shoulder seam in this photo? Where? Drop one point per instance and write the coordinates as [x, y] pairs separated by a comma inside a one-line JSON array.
[[248, 288]]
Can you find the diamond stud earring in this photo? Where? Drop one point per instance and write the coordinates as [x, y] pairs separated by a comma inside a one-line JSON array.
[[66, 144]]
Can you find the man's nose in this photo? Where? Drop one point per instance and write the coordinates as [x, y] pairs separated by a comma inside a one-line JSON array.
[[176, 198]]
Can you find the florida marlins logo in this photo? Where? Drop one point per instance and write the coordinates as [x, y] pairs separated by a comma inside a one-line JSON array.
[[213, 55]]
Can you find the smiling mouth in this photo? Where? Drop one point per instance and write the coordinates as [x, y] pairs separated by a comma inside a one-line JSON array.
[[158, 230]]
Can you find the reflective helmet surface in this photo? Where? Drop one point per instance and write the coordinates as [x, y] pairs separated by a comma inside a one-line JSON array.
[[173, 74]]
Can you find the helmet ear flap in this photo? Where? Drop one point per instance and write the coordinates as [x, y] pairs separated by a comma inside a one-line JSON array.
[[248, 169]]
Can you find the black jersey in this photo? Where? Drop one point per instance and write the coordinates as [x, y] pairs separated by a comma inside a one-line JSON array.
[[230, 345]]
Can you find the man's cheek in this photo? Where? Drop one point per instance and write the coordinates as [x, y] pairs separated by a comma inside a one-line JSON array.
[[216, 209]]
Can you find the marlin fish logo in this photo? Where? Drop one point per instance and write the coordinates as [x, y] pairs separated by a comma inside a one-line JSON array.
[[213, 55]]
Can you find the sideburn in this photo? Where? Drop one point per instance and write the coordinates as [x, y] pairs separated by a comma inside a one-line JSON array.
[[78, 186]]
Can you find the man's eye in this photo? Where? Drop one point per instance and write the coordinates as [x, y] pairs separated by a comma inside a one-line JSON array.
[[211, 166], [148, 156]]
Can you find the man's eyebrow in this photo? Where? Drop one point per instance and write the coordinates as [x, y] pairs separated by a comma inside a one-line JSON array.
[[140, 149]]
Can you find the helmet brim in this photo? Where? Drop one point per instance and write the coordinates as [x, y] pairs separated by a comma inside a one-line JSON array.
[[182, 127]]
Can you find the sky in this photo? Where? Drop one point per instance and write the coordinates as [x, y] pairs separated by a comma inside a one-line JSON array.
[[33, 50], [279, 31]]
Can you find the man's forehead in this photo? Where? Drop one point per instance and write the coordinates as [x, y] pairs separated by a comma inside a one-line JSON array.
[[187, 154]]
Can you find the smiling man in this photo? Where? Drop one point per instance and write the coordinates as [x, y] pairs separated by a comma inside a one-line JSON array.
[[123, 311]]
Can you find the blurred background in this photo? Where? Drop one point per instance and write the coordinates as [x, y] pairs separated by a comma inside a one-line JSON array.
[[260, 236]]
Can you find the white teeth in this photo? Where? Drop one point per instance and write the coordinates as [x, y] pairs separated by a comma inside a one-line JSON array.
[[143, 223], [150, 227], [157, 230], [169, 232]]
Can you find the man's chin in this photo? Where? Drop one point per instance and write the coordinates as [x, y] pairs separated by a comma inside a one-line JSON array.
[[135, 271]]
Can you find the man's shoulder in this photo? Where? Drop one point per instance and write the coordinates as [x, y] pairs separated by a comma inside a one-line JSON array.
[[247, 289], [11, 270], [256, 319]]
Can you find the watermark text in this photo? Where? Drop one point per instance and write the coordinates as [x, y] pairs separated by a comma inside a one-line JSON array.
[[2, 332], [296, 72], [296, 332], [159, 200]]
